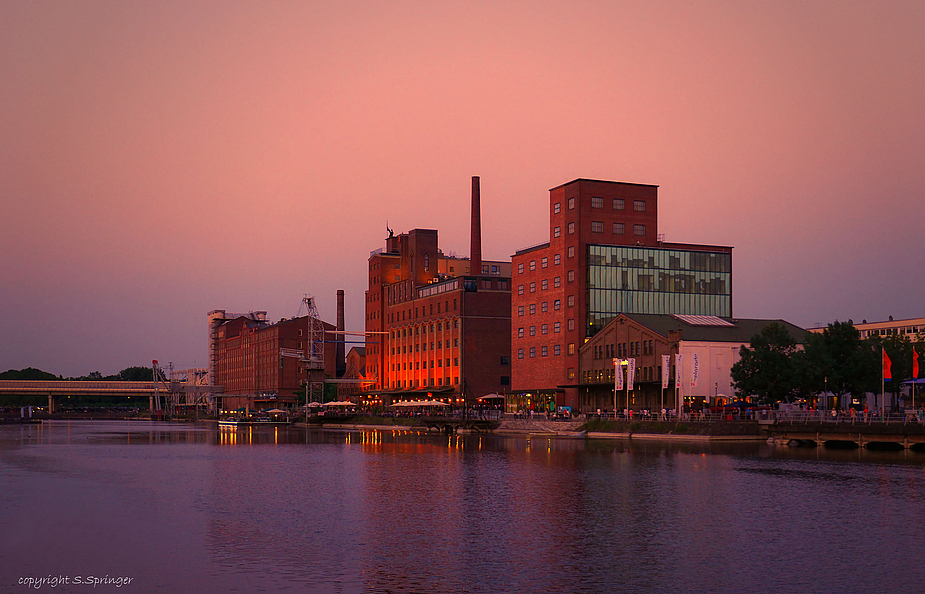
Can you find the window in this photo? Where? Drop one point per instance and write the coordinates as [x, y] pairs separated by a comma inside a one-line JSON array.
[[639, 205], [571, 301], [556, 232], [571, 348], [618, 203], [505, 360], [532, 352], [571, 204], [618, 229], [571, 325], [520, 290], [557, 304], [545, 284], [571, 276], [533, 287], [556, 349], [532, 330], [544, 263], [495, 269], [544, 329], [544, 351], [520, 310], [532, 308], [571, 373], [532, 265], [557, 281], [571, 251], [639, 229], [544, 306], [597, 226], [557, 208], [556, 328], [597, 202], [520, 332], [571, 228], [557, 259], [520, 353], [520, 268], [484, 268]]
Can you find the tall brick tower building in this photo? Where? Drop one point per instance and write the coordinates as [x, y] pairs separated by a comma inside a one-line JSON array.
[[440, 326], [604, 257]]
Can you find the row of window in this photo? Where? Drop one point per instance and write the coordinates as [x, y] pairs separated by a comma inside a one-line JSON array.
[[418, 347], [544, 351], [544, 328], [423, 364], [598, 202], [544, 306], [544, 263], [643, 374], [422, 329]]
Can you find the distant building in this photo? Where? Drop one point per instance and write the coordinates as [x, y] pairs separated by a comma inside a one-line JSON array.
[[912, 327], [709, 347], [438, 326], [262, 365], [603, 258], [354, 374]]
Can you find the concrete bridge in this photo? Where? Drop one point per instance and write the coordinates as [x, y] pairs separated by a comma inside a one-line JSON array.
[[170, 391], [903, 430]]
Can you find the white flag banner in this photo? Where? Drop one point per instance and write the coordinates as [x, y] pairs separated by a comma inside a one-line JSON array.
[[695, 371], [631, 373], [677, 370], [617, 375], [666, 370]]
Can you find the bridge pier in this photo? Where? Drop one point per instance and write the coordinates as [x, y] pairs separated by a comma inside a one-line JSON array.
[[54, 403]]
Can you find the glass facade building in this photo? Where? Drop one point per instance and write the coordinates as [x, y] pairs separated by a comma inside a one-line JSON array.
[[630, 279]]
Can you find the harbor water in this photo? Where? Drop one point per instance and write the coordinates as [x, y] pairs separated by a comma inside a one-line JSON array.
[[156, 507]]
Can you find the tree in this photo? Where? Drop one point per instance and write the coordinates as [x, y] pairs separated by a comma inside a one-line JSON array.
[[767, 369], [836, 360], [29, 373]]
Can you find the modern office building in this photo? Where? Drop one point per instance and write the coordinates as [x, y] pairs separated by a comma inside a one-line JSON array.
[[604, 257], [438, 326], [709, 347]]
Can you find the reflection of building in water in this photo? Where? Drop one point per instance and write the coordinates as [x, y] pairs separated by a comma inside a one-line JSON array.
[[603, 257]]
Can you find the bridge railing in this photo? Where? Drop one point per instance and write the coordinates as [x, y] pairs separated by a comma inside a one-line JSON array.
[[840, 418]]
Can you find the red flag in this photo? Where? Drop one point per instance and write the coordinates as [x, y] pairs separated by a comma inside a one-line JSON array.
[[915, 364], [886, 366]]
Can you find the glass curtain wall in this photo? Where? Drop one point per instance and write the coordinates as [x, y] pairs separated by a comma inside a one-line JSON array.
[[628, 279]]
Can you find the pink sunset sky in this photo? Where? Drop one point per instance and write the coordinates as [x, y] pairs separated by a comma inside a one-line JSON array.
[[162, 159]]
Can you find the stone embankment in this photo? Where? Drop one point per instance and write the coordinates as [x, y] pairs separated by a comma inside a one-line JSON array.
[[540, 427]]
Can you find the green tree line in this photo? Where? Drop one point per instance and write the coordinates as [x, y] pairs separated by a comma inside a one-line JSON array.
[[777, 369], [129, 374]]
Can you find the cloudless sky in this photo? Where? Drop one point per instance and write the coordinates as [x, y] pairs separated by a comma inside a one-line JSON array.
[[162, 159]]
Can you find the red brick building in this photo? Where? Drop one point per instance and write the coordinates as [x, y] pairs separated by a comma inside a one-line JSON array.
[[262, 365], [437, 324], [604, 257]]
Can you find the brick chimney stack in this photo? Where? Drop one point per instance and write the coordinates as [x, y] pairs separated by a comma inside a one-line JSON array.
[[340, 361], [475, 246]]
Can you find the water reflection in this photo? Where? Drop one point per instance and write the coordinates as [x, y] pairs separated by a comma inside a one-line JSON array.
[[270, 508]]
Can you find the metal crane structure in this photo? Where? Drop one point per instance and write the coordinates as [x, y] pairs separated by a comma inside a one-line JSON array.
[[313, 361]]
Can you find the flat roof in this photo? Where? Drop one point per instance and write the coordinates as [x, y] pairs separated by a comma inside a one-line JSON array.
[[602, 181]]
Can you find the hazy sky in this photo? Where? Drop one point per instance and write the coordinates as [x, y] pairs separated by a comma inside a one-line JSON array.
[[162, 159]]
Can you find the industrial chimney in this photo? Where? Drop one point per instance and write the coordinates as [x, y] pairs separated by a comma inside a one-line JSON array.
[[340, 361], [475, 246]]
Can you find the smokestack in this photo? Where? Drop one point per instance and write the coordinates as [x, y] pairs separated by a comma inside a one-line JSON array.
[[340, 361], [475, 246]]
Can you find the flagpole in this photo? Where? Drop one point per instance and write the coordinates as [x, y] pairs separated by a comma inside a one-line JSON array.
[[882, 384]]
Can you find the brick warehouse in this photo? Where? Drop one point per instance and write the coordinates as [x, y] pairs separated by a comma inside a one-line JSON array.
[[438, 325], [603, 257], [260, 364]]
